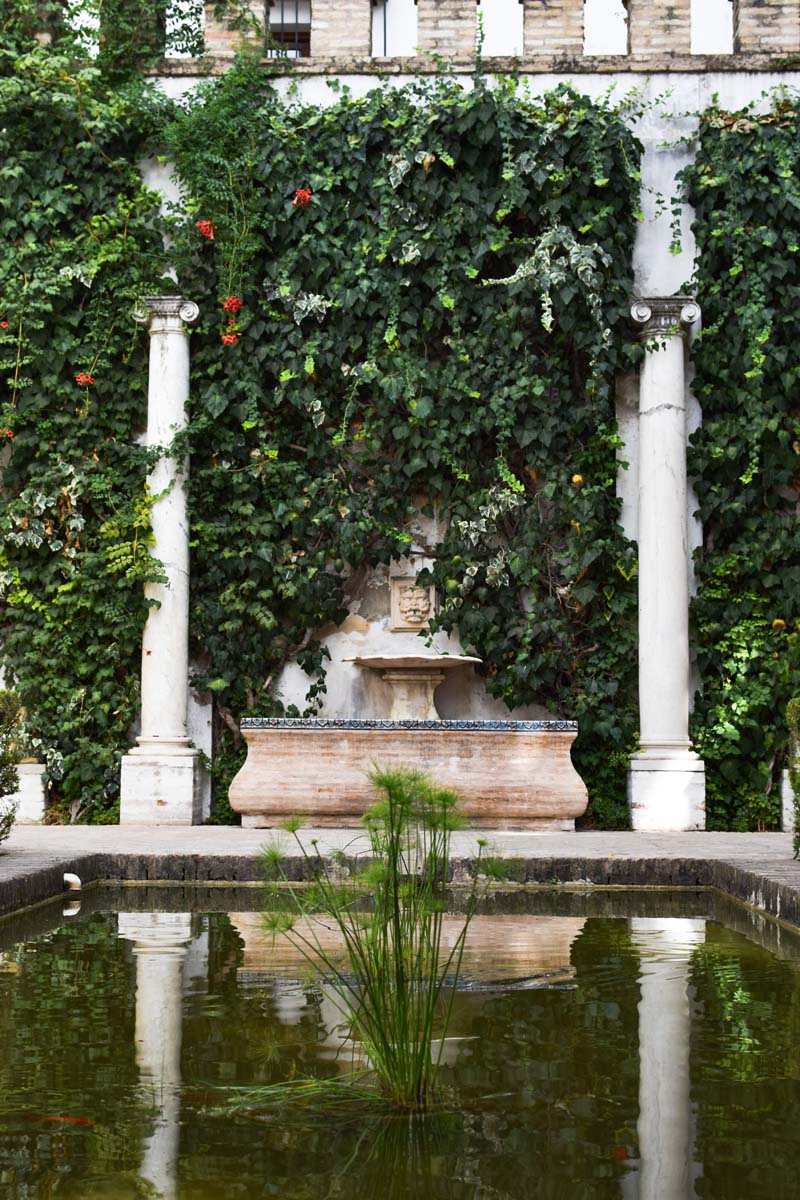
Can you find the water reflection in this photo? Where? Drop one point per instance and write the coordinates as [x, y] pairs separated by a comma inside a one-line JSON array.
[[589, 1056], [666, 1169], [501, 951], [160, 943]]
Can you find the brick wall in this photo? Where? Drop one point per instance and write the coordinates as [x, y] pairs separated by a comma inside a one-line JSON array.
[[659, 27], [772, 25], [553, 27], [447, 26], [220, 39], [341, 26]]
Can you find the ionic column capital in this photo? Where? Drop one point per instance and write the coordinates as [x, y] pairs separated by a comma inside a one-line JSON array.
[[664, 316], [166, 314]]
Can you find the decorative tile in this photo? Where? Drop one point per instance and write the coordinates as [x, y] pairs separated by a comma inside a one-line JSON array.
[[466, 726]]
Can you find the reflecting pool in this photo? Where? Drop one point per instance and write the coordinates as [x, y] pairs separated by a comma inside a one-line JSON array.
[[634, 1045]]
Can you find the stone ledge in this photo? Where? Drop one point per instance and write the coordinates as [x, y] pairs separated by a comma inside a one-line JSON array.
[[764, 62], [755, 869]]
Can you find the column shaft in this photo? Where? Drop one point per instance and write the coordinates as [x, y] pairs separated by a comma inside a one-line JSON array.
[[666, 782], [663, 567], [159, 778], [165, 647]]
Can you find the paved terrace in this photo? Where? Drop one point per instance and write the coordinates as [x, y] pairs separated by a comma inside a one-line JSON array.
[[756, 868]]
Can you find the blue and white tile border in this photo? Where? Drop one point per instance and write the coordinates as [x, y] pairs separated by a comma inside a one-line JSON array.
[[278, 723]]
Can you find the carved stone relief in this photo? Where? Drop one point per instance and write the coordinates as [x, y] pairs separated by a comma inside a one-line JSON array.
[[412, 606]]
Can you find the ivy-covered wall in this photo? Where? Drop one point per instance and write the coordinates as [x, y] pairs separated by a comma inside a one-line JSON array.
[[419, 299], [745, 186], [413, 298], [81, 240]]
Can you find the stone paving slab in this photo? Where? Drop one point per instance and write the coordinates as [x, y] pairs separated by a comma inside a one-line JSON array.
[[755, 868]]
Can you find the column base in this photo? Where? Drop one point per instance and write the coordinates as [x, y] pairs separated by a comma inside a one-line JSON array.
[[787, 804], [667, 790], [31, 797], [161, 747], [160, 789]]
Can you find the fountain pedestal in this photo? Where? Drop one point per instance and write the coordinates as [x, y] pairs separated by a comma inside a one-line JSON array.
[[412, 694], [413, 679]]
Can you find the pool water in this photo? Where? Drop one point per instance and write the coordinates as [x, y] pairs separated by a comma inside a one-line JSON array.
[[603, 1045]]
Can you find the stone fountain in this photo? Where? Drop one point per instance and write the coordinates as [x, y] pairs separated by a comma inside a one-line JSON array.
[[413, 678], [511, 774]]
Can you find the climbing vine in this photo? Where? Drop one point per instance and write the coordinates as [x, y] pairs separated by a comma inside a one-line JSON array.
[[413, 301], [419, 299], [745, 186], [79, 243]]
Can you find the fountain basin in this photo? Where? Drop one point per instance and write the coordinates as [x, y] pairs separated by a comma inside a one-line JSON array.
[[510, 774]]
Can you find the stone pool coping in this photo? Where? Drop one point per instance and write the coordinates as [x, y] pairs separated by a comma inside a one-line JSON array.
[[755, 868]]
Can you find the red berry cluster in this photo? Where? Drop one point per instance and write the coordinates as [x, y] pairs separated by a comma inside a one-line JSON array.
[[302, 198], [232, 304], [206, 229], [84, 380]]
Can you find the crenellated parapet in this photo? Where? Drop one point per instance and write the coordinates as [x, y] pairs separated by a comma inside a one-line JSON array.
[[341, 35]]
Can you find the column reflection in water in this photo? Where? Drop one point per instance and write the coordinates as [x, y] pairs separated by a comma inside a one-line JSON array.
[[666, 1169], [160, 943]]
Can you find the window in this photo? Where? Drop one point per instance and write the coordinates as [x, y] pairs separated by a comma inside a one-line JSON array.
[[289, 29]]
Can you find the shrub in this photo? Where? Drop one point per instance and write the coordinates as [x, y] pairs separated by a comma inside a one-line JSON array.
[[9, 757]]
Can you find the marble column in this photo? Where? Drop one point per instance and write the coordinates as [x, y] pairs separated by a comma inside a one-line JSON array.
[[666, 782], [159, 783], [160, 942], [666, 1152]]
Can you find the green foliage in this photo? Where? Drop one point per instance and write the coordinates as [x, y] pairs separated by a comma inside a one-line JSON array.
[[393, 979], [745, 185], [10, 741], [122, 38], [432, 284], [793, 722], [80, 241], [10, 711]]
